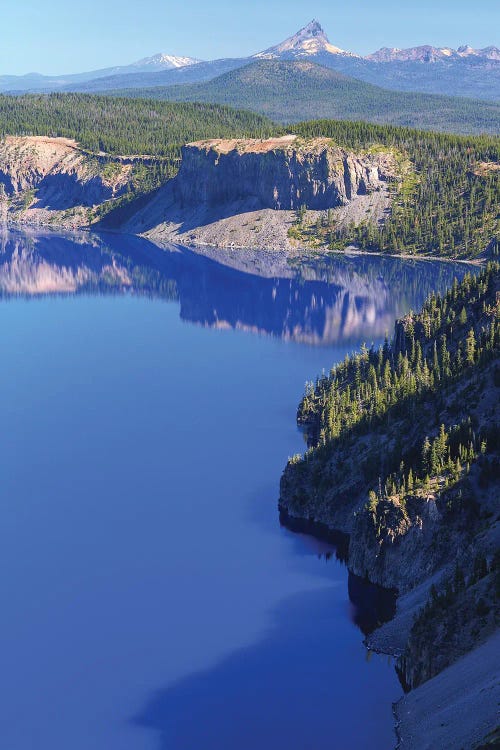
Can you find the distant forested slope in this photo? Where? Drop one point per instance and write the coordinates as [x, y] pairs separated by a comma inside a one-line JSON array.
[[288, 91], [125, 126], [128, 127]]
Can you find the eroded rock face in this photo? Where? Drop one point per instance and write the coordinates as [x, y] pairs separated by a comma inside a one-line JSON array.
[[54, 174], [400, 538], [281, 173], [397, 548]]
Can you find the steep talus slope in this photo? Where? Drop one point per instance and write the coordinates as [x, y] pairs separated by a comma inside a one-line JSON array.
[[456, 709], [248, 192], [443, 204]]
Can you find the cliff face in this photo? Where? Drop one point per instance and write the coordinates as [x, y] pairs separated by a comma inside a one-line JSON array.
[[404, 458], [405, 441], [41, 178], [283, 173]]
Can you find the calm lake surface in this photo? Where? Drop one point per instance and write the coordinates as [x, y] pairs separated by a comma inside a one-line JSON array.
[[150, 598]]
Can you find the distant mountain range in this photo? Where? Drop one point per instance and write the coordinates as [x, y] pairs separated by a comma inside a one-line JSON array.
[[430, 54], [312, 41], [292, 90], [442, 70], [148, 65]]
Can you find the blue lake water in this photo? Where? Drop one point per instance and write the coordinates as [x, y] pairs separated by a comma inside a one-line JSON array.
[[150, 599]]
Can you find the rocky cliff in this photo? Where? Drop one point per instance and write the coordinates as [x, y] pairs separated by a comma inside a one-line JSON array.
[[403, 441], [404, 458], [278, 194], [51, 180], [281, 173], [227, 193]]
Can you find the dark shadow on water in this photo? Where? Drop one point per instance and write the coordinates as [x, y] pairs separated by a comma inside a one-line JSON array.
[[370, 605], [305, 685], [339, 542]]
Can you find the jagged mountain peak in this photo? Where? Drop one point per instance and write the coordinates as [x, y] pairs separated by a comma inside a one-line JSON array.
[[309, 41], [491, 53], [428, 53], [313, 28]]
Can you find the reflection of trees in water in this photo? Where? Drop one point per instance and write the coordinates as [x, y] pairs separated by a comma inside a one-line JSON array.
[[320, 301]]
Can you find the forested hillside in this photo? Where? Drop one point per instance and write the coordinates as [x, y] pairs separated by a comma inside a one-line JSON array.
[[405, 456], [289, 91], [125, 126], [449, 204], [431, 349]]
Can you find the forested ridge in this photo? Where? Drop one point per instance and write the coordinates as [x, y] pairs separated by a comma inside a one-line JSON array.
[[431, 349], [126, 126], [156, 130], [290, 91], [449, 204], [405, 455]]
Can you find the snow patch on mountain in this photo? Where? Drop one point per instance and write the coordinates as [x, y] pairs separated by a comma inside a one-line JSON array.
[[428, 53], [311, 40], [160, 61]]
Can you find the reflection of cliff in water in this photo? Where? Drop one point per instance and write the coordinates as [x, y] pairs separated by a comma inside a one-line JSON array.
[[335, 299]]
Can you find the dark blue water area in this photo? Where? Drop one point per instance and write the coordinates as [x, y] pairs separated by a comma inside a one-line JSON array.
[[150, 598]]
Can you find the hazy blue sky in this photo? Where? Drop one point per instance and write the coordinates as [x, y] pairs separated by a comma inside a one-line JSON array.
[[62, 36]]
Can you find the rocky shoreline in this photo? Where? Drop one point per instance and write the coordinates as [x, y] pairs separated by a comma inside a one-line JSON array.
[[403, 459], [284, 195], [254, 193], [227, 194], [469, 681]]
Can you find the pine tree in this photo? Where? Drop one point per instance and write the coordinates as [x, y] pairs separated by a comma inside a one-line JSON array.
[[470, 347], [410, 480]]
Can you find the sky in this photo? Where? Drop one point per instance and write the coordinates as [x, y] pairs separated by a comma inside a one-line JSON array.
[[69, 36]]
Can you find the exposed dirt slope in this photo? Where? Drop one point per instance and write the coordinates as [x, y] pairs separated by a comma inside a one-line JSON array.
[[51, 180]]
